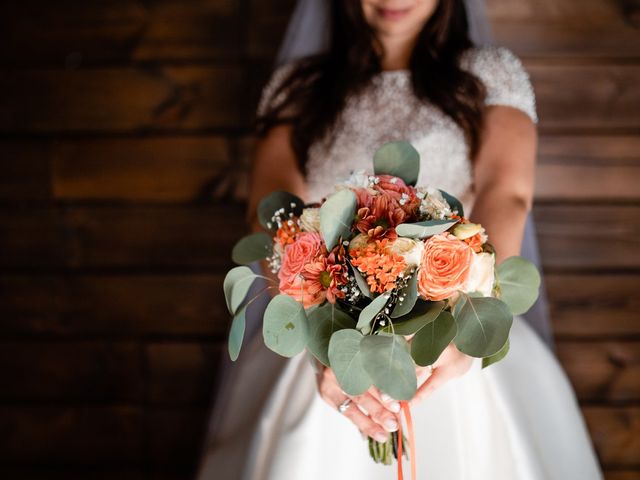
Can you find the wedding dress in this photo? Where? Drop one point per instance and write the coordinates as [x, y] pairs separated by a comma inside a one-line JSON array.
[[515, 420]]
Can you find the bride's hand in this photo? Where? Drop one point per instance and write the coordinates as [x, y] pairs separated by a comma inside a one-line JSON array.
[[451, 363], [373, 413]]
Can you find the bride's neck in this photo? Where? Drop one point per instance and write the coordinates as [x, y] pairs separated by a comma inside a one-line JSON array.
[[396, 51]]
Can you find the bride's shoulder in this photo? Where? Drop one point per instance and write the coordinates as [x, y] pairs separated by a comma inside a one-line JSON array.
[[502, 72]]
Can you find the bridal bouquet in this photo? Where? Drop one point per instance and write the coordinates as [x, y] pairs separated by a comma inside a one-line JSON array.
[[378, 278]]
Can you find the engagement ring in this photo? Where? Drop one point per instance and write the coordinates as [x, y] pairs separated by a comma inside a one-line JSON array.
[[344, 405]]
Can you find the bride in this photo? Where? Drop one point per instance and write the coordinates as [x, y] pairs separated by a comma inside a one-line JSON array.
[[403, 70]]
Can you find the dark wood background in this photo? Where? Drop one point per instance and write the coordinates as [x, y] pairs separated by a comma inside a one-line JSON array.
[[124, 139]]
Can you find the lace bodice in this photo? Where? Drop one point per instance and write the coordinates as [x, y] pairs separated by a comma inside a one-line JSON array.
[[388, 110]]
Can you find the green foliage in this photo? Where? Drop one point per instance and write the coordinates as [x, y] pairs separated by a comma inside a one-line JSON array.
[[486, 361], [410, 294], [324, 321], [336, 216], [454, 203], [361, 282], [236, 334], [236, 286], [369, 312], [251, 248], [274, 202], [387, 360], [399, 159], [519, 284], [483, 325], [285, 327], [430, 341], [345, 358], [424, 229], [422, 314]]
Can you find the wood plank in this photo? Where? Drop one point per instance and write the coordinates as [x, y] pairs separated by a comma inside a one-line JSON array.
[[616, 434], [87, 371], [188, 98], [134, 237], [75, 32], [594, 306], [121, 99], [113, 306], [71, 435], [608, 100], [606, 372], [69, 472], [176, 437], [621, 475], [588, 167], [182, 373], [590, 236], [25, 170]]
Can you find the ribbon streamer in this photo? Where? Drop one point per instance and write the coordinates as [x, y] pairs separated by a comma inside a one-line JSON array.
[[412, 442]]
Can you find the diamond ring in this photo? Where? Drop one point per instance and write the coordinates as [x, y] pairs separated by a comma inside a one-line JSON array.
[[344, 405]]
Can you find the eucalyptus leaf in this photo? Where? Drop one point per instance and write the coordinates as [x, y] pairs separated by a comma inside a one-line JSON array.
[[430, 341], [361, 282], [273, 202], [454, 203], [345, 358], [236, 286], [424, 229], [422, 314], [369, 312], [251, 248], [336, 216], [519, 282], [483, 325], [236, 333], [285, 327], [486, 361], [410, 294], [399, 159], [387, 360], [323, 322]]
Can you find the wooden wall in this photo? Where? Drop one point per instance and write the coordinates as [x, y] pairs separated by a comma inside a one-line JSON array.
[[124, 137]]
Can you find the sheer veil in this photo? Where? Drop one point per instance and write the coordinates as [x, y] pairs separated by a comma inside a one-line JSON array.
[[307, 33]]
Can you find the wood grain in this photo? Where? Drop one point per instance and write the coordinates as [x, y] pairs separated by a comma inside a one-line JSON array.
[[616, 434]]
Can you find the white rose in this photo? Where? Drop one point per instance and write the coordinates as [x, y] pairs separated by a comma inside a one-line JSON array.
[[481, 274], [310, 220], [409, 249]]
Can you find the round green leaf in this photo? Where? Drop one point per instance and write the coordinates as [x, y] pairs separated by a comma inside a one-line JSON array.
[[422, 314], [387, 360], [323, 322], [430, 341], [483, 325], [336, 216], [345, 359], [399, 159], [424, 229], [236, 334], [369, 312], [519, 282], [236, 286], [486, 361], [454, 203], [251, 248], [274, 202], [285, 327], [361, 282], [410, 294]]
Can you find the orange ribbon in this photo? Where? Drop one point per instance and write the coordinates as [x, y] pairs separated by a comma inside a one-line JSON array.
[[412, 442]]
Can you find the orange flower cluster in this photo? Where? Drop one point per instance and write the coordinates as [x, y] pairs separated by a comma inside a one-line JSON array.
[[286, 234], [380, 266]]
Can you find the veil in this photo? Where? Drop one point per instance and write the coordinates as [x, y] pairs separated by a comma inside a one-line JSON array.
[[308, 33]]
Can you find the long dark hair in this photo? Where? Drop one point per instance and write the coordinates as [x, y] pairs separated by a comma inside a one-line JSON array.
[[318, 86]]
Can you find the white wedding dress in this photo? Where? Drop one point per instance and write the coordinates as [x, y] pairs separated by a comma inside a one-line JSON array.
[[515, 420]]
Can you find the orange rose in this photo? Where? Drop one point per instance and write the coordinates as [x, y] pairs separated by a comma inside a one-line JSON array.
[[445, 266]]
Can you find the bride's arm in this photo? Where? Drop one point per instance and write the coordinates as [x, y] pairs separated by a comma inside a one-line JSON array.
[[504, 182]]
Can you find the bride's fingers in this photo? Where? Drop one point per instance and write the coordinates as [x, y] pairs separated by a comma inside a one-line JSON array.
[[377, 411], [435, 380], [365, 424], [388, 402]]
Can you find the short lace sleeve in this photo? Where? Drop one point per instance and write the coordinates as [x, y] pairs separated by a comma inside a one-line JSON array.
[[268, 98], [504, 76]]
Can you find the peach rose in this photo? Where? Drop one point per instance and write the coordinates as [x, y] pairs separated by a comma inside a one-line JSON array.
[[307, 246], [306, 292], [445, 266]]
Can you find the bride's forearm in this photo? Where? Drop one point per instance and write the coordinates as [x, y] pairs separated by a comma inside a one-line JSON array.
[[503, 215]]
